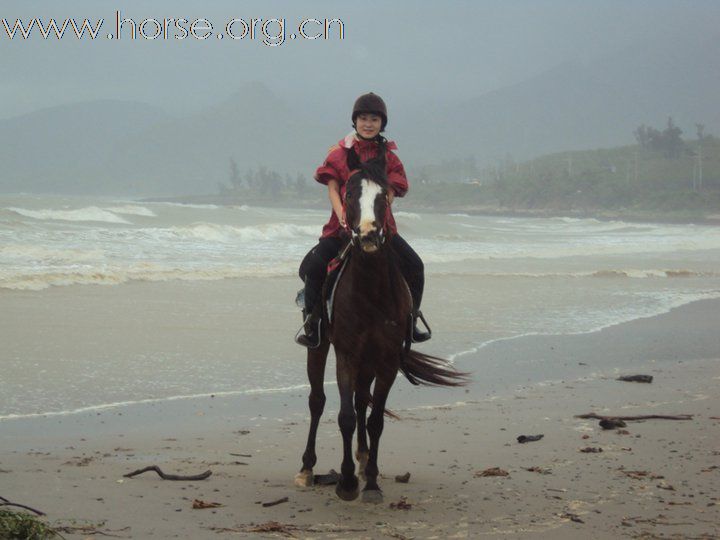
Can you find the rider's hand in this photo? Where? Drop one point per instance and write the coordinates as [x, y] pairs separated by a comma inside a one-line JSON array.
[[341, 218]]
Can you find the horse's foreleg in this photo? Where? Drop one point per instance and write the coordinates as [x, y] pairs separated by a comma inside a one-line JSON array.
[[375, 424], [316, 359], [362, 397], [347, 487]]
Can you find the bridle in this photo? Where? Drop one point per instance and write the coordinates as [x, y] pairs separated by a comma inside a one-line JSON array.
[[355, 233]]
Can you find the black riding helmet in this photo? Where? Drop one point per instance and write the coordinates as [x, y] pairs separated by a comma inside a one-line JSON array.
[[370, 103]]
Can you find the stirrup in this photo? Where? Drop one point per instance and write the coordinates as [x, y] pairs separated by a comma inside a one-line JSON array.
[[422, 336], [304, 339]]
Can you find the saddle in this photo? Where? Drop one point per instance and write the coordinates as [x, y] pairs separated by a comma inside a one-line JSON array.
[[335, 269]]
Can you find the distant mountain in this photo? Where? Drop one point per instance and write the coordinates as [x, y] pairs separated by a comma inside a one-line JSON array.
[[112, 147], [65, 148], [129, 148], [576, 105], [192, 154]]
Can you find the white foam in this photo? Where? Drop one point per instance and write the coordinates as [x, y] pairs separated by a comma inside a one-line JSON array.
[[406, 215], [132, 210], [119, 404], [230, 233], [35, 254], [449, 249], [89, 213], [191, 205], [605, 273], [139, 272], [666, 301]]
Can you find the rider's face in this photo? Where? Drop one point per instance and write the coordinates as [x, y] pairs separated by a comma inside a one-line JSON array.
[[368, 125]]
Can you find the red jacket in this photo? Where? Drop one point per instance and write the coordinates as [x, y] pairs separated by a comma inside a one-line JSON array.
[[335, 168]]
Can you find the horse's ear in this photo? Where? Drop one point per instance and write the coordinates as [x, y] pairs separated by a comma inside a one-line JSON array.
[[353, 161]]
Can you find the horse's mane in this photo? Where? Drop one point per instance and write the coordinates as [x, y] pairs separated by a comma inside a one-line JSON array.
[[372, 169]]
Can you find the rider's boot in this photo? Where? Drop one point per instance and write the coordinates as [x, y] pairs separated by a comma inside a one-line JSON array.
[[418, 336], [312, 326]]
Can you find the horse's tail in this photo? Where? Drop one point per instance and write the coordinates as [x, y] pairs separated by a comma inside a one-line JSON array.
[[387, 412], [428, 370]]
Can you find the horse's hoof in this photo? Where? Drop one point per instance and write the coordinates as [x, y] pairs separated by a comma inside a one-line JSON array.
[[304, 478], [347, 494], [373, 496]]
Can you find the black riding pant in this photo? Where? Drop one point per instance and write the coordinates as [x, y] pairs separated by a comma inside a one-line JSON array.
[[313, 268]]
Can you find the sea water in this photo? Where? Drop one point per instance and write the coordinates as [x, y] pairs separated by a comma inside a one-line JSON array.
[[488, 279]]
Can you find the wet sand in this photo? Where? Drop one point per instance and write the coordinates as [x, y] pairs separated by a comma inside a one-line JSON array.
[[655, 479]]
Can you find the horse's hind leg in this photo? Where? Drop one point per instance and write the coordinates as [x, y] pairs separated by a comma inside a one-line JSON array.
[[316, 359], [347, 487], [376, 422], [362, 397]]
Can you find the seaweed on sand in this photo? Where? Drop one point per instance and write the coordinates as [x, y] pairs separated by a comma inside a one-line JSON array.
[[22, 526]]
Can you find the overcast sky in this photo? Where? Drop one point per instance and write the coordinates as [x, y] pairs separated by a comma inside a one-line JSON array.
[[411, 52]]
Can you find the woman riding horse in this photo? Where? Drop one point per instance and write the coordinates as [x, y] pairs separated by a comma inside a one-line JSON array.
[[369, 118], [369, 326]]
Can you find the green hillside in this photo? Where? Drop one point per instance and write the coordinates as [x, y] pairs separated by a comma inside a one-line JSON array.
[[631, 182], [624, 180]]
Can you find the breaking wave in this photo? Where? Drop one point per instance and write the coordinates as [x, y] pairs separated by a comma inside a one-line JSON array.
[[132, 210], [406, 215], [89, 213], [606, 273], [32, 253], [122, 404], [140, 272], [215, 232]]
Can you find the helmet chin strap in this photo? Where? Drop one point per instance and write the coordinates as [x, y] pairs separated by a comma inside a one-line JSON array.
[[364, 138]]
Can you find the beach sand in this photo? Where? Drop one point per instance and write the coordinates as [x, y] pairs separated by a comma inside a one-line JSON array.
[[72, 466]]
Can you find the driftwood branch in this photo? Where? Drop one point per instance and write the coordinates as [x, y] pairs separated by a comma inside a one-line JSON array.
[[286, 529], [629, 418], [5, 502], [164, 476], [273, 503], [89, 529]]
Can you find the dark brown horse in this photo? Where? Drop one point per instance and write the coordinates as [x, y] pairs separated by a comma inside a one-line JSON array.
[[368, 327]]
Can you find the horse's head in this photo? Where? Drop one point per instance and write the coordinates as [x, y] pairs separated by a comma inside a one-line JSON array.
[[366, 209]]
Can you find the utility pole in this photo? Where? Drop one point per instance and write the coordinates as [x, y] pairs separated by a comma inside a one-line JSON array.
[[636, 167], [697, 179], [699, 161]]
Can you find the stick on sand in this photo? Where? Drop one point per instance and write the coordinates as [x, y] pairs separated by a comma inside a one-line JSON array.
[[164, 476], [5, 502], [628, 418]]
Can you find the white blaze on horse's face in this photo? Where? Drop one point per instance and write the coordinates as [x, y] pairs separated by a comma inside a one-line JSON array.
[[368, 221]]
